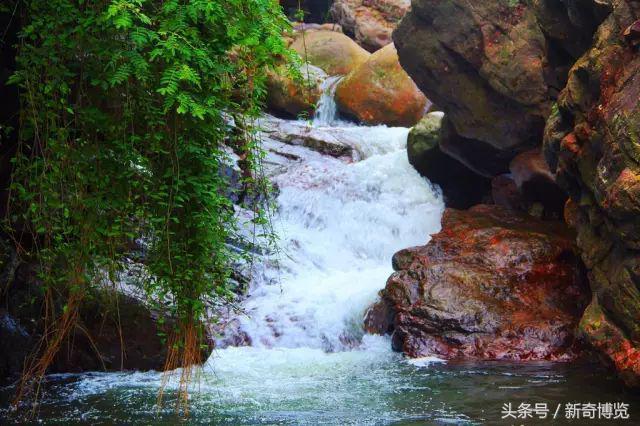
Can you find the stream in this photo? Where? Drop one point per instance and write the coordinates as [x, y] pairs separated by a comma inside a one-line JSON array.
[[339, 219]]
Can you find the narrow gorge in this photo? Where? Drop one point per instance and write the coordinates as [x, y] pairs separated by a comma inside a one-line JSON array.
[[454, 219]]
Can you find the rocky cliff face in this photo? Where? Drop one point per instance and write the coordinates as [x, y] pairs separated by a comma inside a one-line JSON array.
[[592, 140], [509, 74], [495, 68]]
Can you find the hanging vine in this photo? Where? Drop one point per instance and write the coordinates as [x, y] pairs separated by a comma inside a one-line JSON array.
[[126, 108]]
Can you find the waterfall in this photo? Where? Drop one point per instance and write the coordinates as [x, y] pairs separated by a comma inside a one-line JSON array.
[[339, 222], [327, 110], [298, 353]]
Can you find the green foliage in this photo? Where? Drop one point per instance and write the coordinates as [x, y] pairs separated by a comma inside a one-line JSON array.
[[126, 105]]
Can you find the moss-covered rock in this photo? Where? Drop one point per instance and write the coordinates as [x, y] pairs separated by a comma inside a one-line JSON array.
[[424, 136], [612, 342], [591, 143]]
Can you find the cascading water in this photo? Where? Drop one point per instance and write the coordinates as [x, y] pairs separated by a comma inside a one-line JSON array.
[[340, 219], [339, 223], [327, 110]]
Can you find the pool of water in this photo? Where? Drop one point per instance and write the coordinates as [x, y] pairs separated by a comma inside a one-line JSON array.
[[371, 385], [339, 221]]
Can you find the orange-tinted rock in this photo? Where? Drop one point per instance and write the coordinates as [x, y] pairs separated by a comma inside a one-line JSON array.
[[493, 284], [380, 92], [331, 51], [289, 96], [370, 22]]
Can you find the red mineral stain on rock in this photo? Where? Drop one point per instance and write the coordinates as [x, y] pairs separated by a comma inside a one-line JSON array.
[[611, 341], [493, 284]]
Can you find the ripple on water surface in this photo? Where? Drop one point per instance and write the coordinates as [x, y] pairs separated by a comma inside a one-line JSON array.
[[371, 385], [339, 223]]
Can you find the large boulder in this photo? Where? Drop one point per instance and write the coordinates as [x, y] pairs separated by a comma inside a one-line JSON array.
[[331, 51], [592, 142], [483, 64], [292, 95], [492, 284], [380, 92], [495, 68], [460, 187], [370, 22]]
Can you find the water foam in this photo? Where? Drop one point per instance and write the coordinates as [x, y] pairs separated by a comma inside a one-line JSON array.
[[327, 111], [339, 221], [339, 224]]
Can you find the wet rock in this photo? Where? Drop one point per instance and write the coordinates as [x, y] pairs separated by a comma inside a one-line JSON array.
[[299, 134], [293, 97], [331, 51], [124, 335], [114, 332], [493, 284], [483, 64], [591, 143], [17, 344], [613, 344], [495, 69], [380, 92], [379, 319], [370, 22], [461, 187]]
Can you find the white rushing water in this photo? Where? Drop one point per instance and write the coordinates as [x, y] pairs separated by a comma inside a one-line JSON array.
[[326, 111], [339, 221]]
